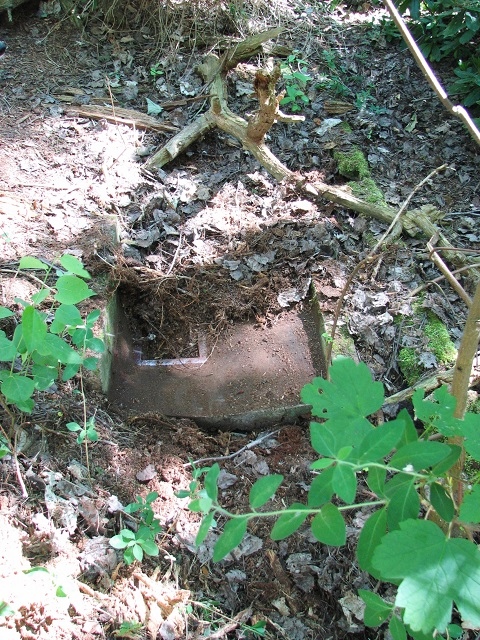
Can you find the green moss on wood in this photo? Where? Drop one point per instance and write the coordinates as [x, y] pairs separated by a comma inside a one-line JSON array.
[[367, 190], [439, 341], [409, 365], [352, 164]]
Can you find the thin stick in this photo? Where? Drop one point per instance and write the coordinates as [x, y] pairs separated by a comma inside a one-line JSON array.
[[250, 445], [441, 266], [17, 470], [461, 380], [371, 256], [440, 278]]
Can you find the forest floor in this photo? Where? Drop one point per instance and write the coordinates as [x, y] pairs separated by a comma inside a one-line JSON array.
[[209, 241]]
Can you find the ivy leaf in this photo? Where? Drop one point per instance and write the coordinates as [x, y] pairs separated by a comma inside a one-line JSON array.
[[92, 317], [40, 296], [34, 329], [207, 523], [442, 502], [344, 483], [435, 571], [150, 548], [321, 489], [61, 350], [73, 265], [376, 609], [350, 393], [289, 522], [71, 290], [376, 480], [404, 500], [29, 262], [470, 429], [438, 414], [43, 376], [231, 537], [95, 344], [379, 442], [420, 455], [67, 315], [264, 489], [8, 351], [210, 481], [372, 532], [410, 434], [470, 509], [17, 388], [5, 313], [397, 629], [328, 526]]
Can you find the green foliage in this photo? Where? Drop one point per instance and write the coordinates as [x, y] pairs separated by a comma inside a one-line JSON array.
[[142, 541], [366, 189], [431, 571], [294, 72], [5, 609], [87, 432], [438, 343], [450, 29], [439, 340], [352, 164], [331, 80], [128, 629], [51, 341]]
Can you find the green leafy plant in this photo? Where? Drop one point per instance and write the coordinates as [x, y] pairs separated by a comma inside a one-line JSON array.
[[142, 541], [5, 609], [156, 70], [418, 533], [51, 341], [128, 629], [294, 72], [448, 29], [87, 432]]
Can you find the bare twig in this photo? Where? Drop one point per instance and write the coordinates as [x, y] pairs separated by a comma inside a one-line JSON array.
[[460, 383], [440, 278], [441, 266], [250, 445]]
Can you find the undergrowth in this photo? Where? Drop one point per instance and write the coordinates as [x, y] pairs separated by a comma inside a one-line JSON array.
[[417, 535]]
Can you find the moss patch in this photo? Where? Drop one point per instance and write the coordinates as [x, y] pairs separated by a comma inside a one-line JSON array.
[[367, 190], [409, 365], [352, 164], [439, 341]]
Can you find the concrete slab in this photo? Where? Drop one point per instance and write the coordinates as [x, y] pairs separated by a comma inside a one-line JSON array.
[[251, 378]]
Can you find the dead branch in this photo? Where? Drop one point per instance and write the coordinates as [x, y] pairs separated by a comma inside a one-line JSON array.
[[442, 267], [118, 115], [252, 135]]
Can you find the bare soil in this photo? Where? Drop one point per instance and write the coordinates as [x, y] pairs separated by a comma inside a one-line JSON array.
[[210, 241]]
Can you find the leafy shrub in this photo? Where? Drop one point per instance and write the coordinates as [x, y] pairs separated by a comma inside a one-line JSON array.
[[417, 536], [142, 541], [52, 344], [294, 72], [450, 29]]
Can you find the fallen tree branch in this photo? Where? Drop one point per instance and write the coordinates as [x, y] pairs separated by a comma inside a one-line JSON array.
[[251, 134], [118, 115]]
